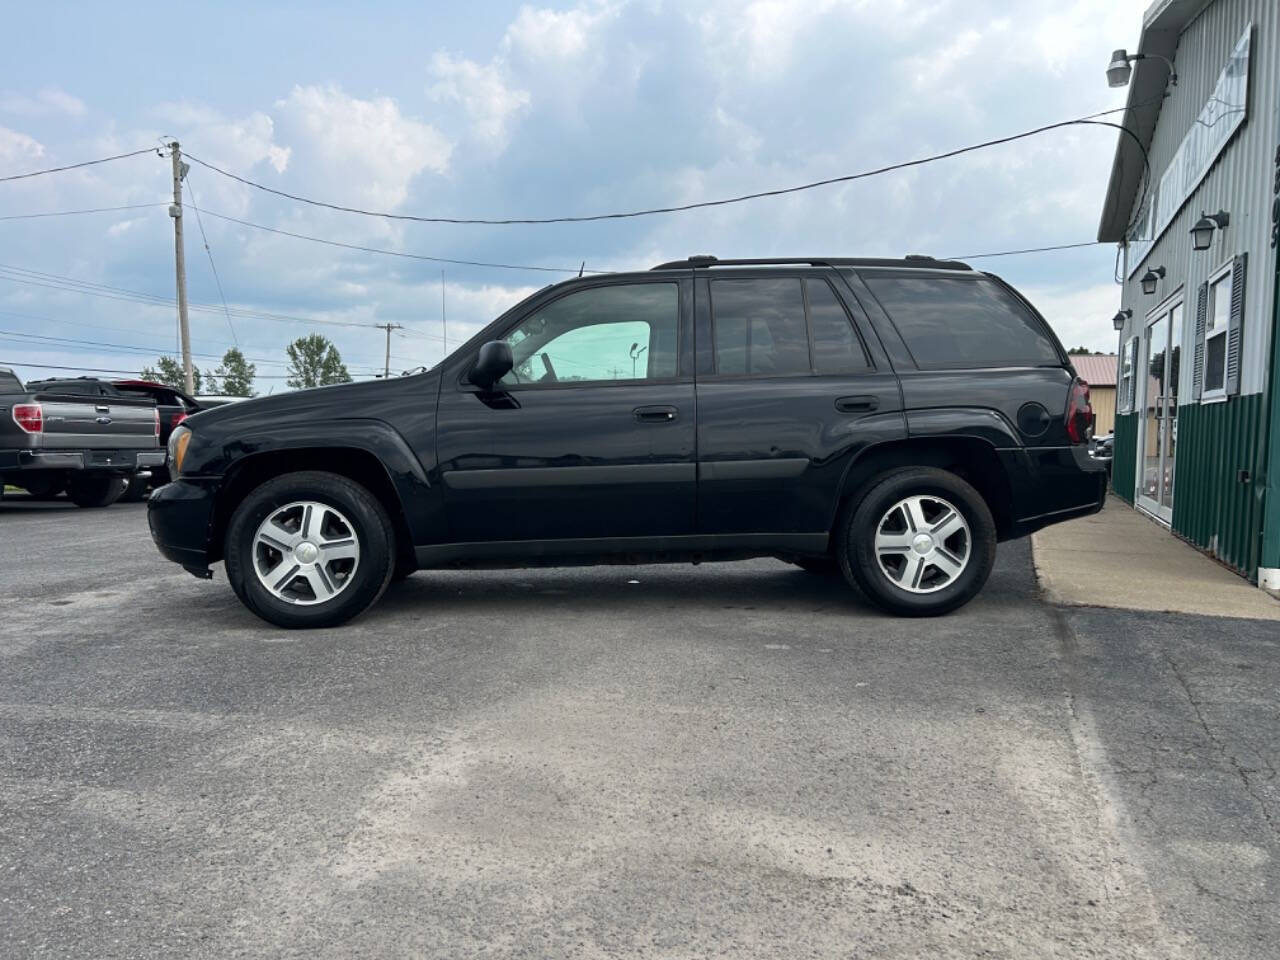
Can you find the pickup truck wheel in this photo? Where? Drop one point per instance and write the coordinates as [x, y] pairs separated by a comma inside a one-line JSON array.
[[95, 491], [136, 492], [920, 543], [44, 488], [309, 549]]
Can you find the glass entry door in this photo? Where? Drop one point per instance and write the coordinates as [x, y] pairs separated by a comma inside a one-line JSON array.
[[1158, 385]]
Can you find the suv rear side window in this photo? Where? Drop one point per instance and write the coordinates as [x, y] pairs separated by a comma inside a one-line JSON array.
[[760, 327], [950, 322]]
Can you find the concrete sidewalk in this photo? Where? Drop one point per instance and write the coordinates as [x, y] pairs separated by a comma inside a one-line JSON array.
[[1120, 558]]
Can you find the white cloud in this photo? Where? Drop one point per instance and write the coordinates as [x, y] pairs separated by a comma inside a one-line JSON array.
[[1080, 316], [15, 146], [48, 101], [482, 90], [549, 35], [367, 147]]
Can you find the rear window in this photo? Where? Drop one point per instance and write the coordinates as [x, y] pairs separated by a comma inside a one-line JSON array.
[[962, 322], [760, 327], [9, 383]]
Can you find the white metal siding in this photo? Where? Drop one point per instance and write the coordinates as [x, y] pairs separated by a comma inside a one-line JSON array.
[[1240, 182]]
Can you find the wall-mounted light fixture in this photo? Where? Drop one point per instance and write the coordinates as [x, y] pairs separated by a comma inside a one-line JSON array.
[[1202, 232], [1150, 279], [1118, 320], [1119, 71]]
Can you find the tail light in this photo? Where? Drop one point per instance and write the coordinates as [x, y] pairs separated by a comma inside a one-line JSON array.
[[157, 417], [177, 418], [1079, 413], [29, 417]]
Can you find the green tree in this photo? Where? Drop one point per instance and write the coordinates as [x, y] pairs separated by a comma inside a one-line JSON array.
[[1083, 352], [315, 362], [169, 372], [236, 374]]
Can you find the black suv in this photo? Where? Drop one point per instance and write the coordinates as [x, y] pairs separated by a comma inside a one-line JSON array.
[[891, 420]]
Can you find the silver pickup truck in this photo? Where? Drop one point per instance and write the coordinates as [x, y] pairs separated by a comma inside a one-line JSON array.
[[78, 435]]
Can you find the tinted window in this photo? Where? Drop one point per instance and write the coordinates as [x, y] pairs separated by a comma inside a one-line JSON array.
[[759, 326], [9, 383], [836, 348], [961, 322], [623, 332]]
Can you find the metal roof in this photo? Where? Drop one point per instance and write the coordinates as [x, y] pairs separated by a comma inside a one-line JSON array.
[[1098, 371], [1162, 25]]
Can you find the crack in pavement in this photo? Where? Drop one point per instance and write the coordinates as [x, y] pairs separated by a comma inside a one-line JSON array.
[[1241, 770]]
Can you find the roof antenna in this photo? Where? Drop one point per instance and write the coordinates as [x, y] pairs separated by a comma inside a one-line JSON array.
[[581, 268]]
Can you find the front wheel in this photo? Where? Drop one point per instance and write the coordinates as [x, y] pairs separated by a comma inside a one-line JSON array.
[[309, 549], [920, 543]]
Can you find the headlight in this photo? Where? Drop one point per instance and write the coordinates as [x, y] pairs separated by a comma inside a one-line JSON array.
[[178, 441]]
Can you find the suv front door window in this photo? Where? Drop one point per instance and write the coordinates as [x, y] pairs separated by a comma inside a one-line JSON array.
[[624, 332]]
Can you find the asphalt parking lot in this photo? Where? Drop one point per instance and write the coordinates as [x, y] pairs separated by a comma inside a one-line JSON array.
[[737, 760]]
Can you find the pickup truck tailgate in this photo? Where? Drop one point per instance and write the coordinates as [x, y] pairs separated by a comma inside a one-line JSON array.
[[95, 422]]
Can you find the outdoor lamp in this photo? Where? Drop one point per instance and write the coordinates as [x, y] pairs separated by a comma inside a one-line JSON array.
[[1202, 232], [1119, 71], [1150, 279], [1121, 316]]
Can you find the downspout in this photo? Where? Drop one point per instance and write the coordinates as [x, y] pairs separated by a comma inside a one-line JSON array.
[[1269, 557]]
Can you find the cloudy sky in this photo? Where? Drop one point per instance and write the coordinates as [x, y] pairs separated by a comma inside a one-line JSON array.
[[495, 109]]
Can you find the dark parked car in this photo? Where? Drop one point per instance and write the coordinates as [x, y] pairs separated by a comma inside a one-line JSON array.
[[891, 420]]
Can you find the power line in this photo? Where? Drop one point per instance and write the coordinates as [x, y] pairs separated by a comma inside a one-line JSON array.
[[1090, 119], [397, 253], [216, 279], [137, 348], [76, 166], [72, 213], [1014, 253], [132, 373], [72, 285]]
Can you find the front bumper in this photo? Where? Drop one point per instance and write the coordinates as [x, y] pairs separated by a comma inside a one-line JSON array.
[[180, 515], [118, 461]]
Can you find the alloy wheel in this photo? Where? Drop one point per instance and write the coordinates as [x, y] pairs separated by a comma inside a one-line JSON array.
[[305, 552]]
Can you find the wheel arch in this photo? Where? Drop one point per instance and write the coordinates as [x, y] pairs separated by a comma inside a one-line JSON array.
[[973, 459], [356, 463]]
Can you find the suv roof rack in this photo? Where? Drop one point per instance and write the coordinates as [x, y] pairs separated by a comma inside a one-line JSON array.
[[911, 260]]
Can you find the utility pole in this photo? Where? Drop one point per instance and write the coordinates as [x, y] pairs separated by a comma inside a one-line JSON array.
[[180, 258], [386, 367]]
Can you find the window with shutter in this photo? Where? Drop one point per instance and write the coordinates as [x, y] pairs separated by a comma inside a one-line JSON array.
[[1235, 325], [1197, 364]]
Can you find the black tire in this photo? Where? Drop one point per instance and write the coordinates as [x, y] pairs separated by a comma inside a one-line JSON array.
[[45, 488], [136, 491], [856, 549], [94, 492], [370, 527], [818, 566]]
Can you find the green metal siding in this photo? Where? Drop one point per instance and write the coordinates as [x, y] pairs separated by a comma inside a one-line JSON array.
[[1211, 506], [1124, 463]]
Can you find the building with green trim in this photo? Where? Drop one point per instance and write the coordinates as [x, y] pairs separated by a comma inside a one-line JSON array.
[[1194, 205]]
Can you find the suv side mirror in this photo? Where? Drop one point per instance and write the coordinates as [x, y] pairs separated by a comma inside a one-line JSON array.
[[492, 364]]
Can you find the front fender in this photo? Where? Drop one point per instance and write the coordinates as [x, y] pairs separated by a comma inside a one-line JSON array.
[[218, 459]]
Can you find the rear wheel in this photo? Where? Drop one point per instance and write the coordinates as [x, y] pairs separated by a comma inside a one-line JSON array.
[[920, 543], [136, 492], [309, 549], [44, 487], [95, 491]]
